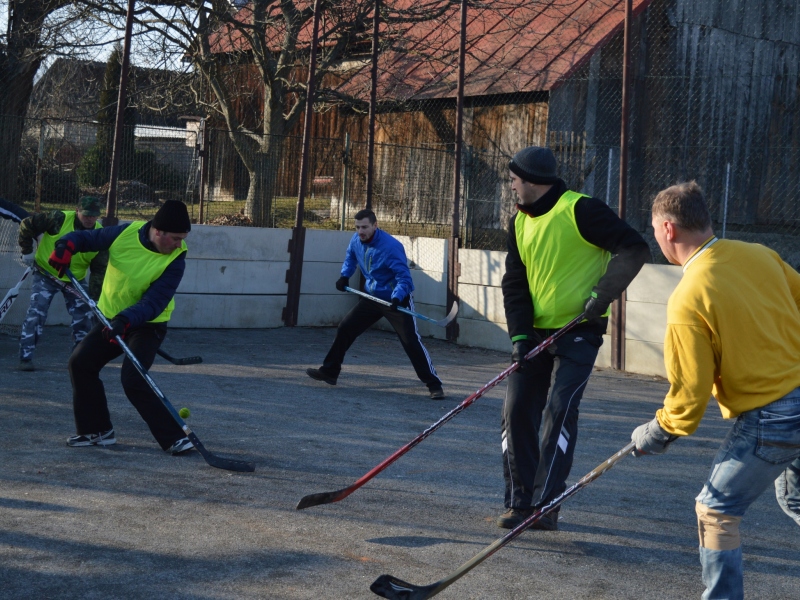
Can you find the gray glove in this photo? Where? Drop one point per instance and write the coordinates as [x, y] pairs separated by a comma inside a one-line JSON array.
[[651, 438], [28, 259]]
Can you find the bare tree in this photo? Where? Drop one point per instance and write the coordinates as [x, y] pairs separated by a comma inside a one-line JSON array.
[[253, 58], [35, 30]]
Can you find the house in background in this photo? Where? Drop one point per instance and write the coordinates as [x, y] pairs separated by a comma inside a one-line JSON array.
[[714, 98]]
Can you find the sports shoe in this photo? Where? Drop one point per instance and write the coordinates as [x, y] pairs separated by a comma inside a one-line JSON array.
[[182, 445], [437, 394], [548, 522], [26, 365], [104, 438], [513, 517], [320, 375]]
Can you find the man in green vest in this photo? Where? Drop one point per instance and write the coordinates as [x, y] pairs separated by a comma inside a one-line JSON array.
[[48, 228], [146, 261], [568, 254]]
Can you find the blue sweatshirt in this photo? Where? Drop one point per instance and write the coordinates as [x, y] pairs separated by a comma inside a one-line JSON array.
[[155, 299], [383, 262]]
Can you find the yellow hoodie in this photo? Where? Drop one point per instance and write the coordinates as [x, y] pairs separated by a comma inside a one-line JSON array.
[[733, 330]]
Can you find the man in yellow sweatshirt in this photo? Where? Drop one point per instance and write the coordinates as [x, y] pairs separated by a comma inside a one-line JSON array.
[[733, 330]]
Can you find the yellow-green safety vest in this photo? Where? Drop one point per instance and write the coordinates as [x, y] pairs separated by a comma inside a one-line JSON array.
[[132, 268], [562, 267], [80, 261]]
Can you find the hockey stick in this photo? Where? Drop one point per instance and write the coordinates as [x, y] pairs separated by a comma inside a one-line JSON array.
[[335, 496], [212, 459], [441, 322], [65, 287], [397, 589], [15, 214], [12, 294], [188, 360]]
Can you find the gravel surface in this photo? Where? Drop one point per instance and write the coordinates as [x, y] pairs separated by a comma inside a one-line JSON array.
[[129, 521]]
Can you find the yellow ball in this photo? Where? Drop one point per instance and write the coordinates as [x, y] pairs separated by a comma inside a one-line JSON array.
[[184, 413]]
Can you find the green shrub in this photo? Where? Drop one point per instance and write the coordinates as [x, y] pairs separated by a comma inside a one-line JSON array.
[[94, 168]]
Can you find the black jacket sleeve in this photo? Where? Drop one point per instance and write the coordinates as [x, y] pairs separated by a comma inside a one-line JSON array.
[[600, 226], [517, 299]]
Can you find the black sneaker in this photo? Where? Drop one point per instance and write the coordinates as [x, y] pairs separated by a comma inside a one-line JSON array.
[[104, 438], [26, 365], [437, 394], [320, 375], [181, 446], [513, 517]]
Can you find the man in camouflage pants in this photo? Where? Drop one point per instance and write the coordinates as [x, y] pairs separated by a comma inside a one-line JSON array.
[[51, 226]]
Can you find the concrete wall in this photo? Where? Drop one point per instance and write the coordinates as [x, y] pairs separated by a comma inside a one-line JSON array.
[[236, 278]]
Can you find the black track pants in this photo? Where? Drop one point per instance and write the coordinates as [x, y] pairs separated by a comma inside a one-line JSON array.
[[88, 394], [365, 314], [539, 436]]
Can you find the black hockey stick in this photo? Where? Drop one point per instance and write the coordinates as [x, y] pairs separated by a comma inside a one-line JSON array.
[[335, 496], [212, 459], [440, 322], [65, 287], [397, 589], [188, 360]]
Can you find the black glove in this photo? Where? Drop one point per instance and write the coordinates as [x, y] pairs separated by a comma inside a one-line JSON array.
[[341, 283], [399, 302], [521, 348], [118, 327], [61, 256], [597, 305]]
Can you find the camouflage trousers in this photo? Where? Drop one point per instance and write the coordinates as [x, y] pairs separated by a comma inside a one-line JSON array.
[[42, 292]]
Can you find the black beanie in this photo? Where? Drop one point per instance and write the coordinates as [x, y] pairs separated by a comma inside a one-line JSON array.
[[534, 165], [172, 217]]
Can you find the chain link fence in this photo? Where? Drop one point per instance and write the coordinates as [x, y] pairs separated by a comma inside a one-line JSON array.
[[713, 98]]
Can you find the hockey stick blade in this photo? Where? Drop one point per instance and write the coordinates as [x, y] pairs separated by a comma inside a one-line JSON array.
[[450, 316], [228, 464], [393, 588], [322, 498], [12, 294], [188, 360], [387, 586], [329, 497]]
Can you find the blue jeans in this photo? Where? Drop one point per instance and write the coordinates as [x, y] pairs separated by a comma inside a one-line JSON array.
[[762, 447]]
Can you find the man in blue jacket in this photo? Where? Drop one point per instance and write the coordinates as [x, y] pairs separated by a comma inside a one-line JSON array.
[[382, 260]]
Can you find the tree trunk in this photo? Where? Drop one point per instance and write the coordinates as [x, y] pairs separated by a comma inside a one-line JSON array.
[[263, 170], [17, 83]]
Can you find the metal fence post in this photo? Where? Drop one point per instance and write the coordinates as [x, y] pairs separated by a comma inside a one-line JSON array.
[[453, 266], [111, 206], [345, 173], [37, 203], [618, 308], [297, 242]]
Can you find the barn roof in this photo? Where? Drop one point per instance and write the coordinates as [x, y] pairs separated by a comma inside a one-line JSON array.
[[511, 48]]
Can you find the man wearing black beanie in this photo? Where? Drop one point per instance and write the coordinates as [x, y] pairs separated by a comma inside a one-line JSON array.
[[146, 261], [567, 254]]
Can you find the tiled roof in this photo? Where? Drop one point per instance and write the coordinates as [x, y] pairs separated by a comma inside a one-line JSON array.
[[524, 47]]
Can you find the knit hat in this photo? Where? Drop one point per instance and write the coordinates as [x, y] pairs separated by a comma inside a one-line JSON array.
[[89, 206], [172, 217], [534, 165]]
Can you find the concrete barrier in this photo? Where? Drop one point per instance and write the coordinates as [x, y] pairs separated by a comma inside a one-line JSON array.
[[236, 278]]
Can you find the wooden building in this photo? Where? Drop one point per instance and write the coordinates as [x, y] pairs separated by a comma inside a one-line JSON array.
[[715, 98]]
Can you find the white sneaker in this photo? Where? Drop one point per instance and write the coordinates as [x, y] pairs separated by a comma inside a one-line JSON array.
[[182, 445], [104, 438]]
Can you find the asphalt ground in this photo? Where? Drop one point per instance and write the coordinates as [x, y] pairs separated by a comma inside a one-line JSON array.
[[129, 521]]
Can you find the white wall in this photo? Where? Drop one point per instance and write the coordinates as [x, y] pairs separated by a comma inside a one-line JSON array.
[[236, 278]]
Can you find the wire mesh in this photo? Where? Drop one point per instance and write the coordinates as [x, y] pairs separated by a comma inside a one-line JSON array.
[[714, 97]]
